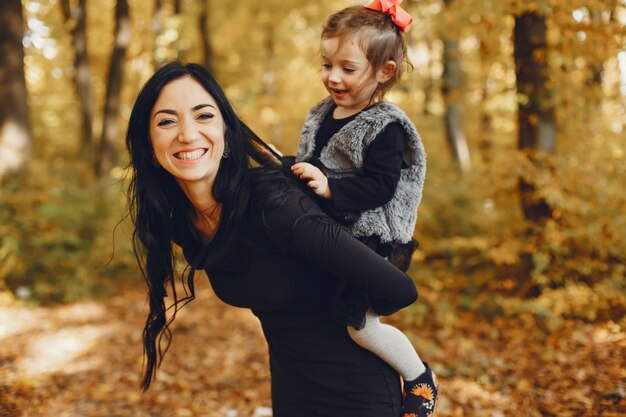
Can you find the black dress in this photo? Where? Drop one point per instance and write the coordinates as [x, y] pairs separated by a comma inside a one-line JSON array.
[[284, 268]]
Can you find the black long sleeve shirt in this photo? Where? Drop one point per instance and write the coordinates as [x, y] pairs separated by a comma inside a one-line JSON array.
[[316, 368], [382, 162]]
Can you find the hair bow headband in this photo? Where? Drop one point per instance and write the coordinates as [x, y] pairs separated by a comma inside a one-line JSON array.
[[399, 16]]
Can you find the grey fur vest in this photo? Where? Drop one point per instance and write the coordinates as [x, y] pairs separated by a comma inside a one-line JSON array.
[[343, 155]]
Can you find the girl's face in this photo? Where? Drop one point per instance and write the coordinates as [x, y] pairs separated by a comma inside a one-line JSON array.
[[347, 75], [187, 132]]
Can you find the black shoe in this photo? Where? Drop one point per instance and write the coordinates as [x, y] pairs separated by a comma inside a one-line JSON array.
[[420, 395]]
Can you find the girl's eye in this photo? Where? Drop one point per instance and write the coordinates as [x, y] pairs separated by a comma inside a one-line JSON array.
[[349, 70], [326, 66], [165, 122], [205, 116]]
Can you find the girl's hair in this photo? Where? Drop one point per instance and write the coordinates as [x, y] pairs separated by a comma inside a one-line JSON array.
[[158, 208], [376, 34]]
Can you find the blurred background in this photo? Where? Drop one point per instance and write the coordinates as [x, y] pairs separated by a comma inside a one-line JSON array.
[[521, 268]]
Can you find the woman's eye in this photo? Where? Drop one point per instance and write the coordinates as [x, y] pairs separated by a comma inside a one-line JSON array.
[[205, 116], [165, 122], [325, 66], [349, 69]]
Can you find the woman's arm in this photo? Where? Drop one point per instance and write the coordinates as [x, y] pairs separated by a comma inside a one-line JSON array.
[[301, 228]]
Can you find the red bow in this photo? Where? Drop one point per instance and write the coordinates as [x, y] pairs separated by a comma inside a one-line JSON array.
[[399, 16]]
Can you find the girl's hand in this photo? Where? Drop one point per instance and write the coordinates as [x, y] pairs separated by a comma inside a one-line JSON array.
[[317, 181]]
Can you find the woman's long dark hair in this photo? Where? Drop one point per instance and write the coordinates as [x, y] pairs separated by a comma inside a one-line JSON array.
[[158, 207]]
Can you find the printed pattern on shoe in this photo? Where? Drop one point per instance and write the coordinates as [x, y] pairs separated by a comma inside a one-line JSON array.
[[420, 395]]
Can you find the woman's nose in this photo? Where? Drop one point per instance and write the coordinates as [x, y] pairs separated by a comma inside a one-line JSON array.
[[188, 132]]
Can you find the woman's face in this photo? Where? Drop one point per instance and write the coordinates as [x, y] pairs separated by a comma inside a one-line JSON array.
[[187, 132]]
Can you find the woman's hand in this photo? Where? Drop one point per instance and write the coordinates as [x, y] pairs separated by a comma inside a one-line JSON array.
[[317, 181]]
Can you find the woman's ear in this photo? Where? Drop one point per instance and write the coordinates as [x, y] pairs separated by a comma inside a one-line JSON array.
[[386, 71]]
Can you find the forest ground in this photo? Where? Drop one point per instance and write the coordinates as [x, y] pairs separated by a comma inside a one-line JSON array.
[[85, 360]]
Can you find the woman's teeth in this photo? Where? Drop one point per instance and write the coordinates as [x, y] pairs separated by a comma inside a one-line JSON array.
[[190, 155]]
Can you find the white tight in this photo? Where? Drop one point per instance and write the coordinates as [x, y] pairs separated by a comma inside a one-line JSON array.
[[389, 344]]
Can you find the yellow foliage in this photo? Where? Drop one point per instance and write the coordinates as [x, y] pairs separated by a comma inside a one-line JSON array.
[[266, 58]]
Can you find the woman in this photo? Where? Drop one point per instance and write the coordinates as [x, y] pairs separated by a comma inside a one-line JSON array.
[[201, 179]]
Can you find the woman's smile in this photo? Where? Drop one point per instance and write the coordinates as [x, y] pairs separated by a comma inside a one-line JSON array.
[[187, 132], [191, 155]]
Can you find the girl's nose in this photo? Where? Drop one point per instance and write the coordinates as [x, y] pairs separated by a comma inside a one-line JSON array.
[[334, 76]]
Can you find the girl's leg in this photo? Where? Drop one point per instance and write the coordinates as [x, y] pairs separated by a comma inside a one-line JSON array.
[[393, 347], [389, 344]]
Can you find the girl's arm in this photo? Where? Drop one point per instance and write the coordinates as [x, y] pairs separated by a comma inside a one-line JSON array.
[[376, 185]]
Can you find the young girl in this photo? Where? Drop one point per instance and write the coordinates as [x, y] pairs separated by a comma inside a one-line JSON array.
[[365, 159]]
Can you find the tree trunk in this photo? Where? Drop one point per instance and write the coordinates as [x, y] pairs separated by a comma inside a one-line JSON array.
[[181, 49], [15, 133], [82, 70], [484, 142], [269, 83], [486, 118], [453, 97], [537, 126], [428, 85], [203, 25], [593, 80], [157, 27], [110, 133]]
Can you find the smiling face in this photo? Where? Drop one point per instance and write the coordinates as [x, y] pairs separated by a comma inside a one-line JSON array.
[[347, 75], [187, 132]]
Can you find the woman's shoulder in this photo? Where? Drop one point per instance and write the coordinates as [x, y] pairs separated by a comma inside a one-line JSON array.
[[279, 201], [269, 187]]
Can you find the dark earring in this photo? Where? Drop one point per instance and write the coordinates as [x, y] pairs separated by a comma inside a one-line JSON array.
[[226, 152]]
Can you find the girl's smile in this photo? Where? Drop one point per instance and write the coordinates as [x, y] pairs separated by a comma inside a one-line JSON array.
[[347, 75], [338, 93]]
